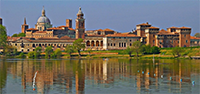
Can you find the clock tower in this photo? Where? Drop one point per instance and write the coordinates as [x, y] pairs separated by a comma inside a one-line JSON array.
[[80, 25]]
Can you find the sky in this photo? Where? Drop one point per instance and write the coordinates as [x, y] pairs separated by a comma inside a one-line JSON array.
[[119, 15]]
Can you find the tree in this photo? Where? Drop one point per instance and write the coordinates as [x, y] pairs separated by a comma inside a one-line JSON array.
[[129, 50], [89, 51], [155, 50], [147, 49], [37, 52], [69, 49], [21, 35], [197, 35], [78, 45], [8, 50], [31, 54], [58, 53], [48, 51], [177, 51], [3, 37], [14, 35], [21, 55], [136, 47]]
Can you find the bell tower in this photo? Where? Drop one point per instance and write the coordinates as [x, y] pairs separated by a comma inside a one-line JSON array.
[[24, 26], [80, 25]]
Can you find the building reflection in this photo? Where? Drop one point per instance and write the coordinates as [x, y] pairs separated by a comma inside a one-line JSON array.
[[69, 75]]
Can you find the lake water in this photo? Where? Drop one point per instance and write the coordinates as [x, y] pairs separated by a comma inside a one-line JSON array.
[[98, 76]]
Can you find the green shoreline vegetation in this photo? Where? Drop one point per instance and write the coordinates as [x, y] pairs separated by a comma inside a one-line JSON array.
[[136, 51]]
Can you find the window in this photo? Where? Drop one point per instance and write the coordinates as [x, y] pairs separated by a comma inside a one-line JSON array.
[[15, 44], [108, 44], [130, 40], [130, 44], [111, 44], [114, 44], [119, 37], [186, 41], [124, 44], [185, 35], [153, 41], [124, 37], [119, 44], [27, 49]]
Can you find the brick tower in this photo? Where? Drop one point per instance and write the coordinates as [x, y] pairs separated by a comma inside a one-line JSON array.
[[69, 23], [184, 36], [24, 26], [80, 25]]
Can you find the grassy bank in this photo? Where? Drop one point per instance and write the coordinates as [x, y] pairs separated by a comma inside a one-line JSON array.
[[165, 53]]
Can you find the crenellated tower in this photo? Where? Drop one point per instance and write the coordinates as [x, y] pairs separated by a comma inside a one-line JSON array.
[[80, 25], [24, 26]]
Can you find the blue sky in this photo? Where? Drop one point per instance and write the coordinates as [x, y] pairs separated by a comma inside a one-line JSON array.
[[119, 15]]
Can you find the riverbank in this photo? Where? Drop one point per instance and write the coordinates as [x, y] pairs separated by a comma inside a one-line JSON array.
[[165, 53]]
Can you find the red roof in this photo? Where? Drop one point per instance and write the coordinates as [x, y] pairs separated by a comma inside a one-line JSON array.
[[152, 27], [143, 24], [32, 29], [191, 37], [95, 35], [41, 32], [121, 35], [185, 27], [54, 28], [164, 32]]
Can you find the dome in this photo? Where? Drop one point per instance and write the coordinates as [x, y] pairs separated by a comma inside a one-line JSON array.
[[43, 19], [80, 12]]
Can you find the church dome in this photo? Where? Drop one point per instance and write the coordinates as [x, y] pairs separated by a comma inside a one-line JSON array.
[[43, 18]]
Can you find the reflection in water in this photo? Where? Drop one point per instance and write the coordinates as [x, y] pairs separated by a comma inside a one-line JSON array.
[[91, 76]]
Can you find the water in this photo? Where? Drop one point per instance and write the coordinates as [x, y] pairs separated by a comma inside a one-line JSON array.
[[113, 76]]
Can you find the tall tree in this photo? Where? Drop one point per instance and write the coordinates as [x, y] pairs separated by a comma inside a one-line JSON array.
[[177, 51], [48, 51], [37, 52], [129, 50], [197, 35], [58, 53], [3, 37], [137, 45], [78, 45], [19, 35], [69, 49]]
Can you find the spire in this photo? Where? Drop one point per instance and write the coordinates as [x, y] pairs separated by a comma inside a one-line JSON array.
[[43, 12], [80, 12], [25, 20]]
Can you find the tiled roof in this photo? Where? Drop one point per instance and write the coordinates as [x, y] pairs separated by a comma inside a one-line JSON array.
[[173, 27], [152, 27], [95, 35], [54, 28], [62, 26], [191, 37], [32, 29], [70, 28], [108, 29], [40, 32], [143, 24], [185, 27], [121, 35], [164, 32]]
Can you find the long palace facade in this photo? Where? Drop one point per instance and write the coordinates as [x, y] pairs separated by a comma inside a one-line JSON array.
[[44, 34]]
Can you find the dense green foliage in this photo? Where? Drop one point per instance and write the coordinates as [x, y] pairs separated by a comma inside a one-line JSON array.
[[136, 47], [69, 49], [31, 54], [19, 35], [129, 50], [3, 37], [89, 51], [197, 35], [48, 51], [22, 55], [37, 52], [177, 51], [58, 53], [78, 45]]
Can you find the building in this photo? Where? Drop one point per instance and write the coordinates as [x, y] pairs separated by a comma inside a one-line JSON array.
[[44, 34], [44, 28], [1, 22]]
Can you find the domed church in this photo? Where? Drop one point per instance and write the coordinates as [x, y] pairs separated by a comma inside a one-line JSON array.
[[43, 28]]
